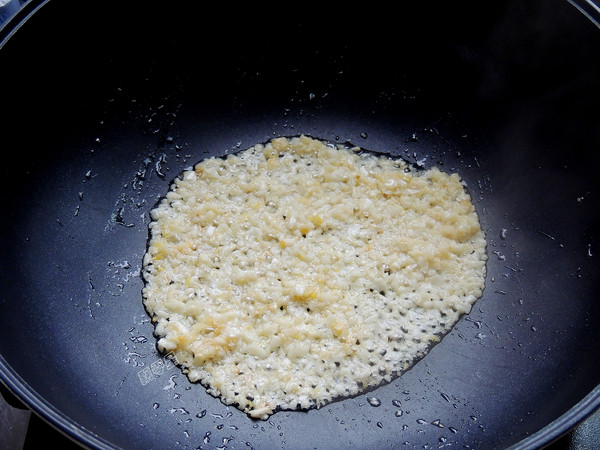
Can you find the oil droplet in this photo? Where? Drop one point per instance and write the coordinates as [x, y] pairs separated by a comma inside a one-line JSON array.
[[437, 423], [201, 414], [221, 416], [363, 135], [206, 439], [373, 401], [398, 413], [500, 256], [155, 406], [477, 323], [396, 403], [379, 424]]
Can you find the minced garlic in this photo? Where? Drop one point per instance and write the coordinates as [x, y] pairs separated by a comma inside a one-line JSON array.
[[297, 272]]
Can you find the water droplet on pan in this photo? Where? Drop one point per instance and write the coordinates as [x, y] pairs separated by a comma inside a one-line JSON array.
[[373, 401], [437, 423]]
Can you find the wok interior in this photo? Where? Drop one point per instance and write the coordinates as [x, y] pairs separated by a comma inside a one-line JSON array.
[[106, 107]]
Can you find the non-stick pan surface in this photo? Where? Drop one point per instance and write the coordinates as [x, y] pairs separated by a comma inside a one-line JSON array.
[[103, 104]]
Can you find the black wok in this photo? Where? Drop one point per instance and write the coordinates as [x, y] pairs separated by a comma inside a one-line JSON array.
[[103, 105]]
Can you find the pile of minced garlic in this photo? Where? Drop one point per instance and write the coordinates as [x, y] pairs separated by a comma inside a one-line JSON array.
[[298, 272]]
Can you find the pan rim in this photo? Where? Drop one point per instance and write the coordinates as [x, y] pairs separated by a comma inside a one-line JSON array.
[[84, 436], [589, 9], [12, 25], [563, 424], [52, 416]]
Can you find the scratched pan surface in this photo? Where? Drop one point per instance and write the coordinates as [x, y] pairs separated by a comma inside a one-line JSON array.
[[102, 106]]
